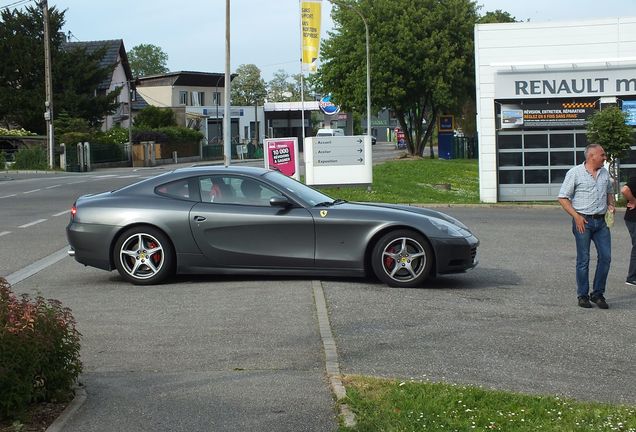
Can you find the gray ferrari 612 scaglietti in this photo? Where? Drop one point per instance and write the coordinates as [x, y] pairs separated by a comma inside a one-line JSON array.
[[247, 220]]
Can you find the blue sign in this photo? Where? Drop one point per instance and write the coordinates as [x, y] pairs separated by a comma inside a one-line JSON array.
[[328, 107], [629, 107]]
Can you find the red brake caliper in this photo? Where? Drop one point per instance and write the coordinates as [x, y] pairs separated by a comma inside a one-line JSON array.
[[157, 256], [388, 261]]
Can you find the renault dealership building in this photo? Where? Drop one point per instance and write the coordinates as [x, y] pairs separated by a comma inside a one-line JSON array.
[[537, 84]]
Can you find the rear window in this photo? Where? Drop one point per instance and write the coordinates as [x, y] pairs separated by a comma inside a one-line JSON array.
[[180, 189]]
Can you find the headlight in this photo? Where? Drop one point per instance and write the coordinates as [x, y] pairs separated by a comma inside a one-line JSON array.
[[449, 228]]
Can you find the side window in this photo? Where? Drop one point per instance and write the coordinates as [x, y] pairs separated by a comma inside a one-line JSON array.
[[235, 190], [255, 193], [177, 189], [217, 189]]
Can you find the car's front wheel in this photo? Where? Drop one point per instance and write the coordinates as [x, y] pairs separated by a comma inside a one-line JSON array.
[[402, 258], [144, 256]]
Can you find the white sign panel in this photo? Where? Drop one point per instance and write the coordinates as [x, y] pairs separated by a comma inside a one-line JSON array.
[[338, 160], [565, 84]]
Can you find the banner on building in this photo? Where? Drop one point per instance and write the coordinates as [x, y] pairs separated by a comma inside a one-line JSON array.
[[553, 114], [310, 32]]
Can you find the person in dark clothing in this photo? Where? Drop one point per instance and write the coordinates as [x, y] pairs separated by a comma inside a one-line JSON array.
[[629, 192]]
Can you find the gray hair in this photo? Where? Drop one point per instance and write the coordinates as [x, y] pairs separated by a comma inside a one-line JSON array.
[[589, 147]]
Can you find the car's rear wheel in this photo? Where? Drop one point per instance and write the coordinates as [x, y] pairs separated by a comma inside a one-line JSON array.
[[144, 256], [402, 258]]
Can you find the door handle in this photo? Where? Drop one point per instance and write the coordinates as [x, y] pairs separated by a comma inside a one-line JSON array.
[[199, 218]]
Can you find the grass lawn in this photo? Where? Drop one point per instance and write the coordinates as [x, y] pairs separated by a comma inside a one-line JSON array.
[[417, 181], [389, 405]]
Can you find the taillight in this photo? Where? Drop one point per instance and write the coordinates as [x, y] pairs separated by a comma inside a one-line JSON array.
[[73, 212]]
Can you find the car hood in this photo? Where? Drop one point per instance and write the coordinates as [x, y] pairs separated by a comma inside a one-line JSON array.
[[411, 209]]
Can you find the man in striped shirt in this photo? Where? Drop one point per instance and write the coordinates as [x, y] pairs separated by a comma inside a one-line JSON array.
[[586, 195]]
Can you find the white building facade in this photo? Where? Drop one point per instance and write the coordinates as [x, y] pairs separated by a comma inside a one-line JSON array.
[[537, 83]]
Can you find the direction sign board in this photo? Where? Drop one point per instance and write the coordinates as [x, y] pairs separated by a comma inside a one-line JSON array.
[[338, 160]]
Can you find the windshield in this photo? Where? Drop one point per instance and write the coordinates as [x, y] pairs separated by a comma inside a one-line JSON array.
[[305, 193]]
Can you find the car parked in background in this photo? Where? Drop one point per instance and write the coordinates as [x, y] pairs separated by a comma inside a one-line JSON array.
[[253, 221], [330, 132]]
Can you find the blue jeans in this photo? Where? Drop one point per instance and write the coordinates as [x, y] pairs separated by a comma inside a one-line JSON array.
[[595, 231]]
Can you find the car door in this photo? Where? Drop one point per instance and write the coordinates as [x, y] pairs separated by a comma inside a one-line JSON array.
[[239, 232]]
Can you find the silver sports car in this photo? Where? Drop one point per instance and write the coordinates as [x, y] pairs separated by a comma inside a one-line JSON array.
[[246, 220]]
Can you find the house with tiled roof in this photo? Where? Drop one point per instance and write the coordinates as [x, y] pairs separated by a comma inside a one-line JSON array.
[[121, 77]]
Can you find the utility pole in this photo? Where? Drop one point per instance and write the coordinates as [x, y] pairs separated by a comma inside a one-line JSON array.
[[48, 80], [227, 115]]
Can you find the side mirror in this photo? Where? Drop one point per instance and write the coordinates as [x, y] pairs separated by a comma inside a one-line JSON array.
[[279, 201]]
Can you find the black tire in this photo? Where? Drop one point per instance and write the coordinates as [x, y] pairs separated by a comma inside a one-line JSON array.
[[402, 258], [144, 256]]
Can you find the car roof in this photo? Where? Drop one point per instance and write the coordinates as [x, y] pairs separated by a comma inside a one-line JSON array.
[[221, 169]]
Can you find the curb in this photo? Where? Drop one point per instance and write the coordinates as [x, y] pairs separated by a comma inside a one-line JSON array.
[[69, 411], [331, 356]]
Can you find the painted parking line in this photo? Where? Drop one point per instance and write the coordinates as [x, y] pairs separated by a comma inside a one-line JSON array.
[[54, 186], [31, 191], [4, 233], [32, 223], [62, 213], [37, 266], [7, 196]]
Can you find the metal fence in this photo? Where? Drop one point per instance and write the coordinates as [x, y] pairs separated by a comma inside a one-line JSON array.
[[465, 148]]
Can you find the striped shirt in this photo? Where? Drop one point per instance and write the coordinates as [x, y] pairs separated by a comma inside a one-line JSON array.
[[588, 194]]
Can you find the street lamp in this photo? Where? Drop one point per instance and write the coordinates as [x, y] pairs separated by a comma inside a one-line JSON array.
[[366, 31]]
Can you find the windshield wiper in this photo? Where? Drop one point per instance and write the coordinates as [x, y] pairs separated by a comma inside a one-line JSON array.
[[330, 203], [324, 204]]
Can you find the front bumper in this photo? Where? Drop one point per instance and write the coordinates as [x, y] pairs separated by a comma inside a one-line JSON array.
[[456, 255]]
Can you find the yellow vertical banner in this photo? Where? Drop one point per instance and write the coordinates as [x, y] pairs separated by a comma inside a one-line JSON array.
[[310, 32]]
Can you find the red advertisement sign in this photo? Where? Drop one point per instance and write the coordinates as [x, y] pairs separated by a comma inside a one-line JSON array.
[[281, 154]]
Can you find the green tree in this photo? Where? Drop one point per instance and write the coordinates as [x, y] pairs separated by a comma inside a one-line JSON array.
[[279, 89], [75, 74], [497, 16], [248, 88], [308, 84], [421, 60], [608, 128], [147, 59]]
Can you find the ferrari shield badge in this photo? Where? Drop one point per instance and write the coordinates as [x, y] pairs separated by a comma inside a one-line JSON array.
[[323, 213]]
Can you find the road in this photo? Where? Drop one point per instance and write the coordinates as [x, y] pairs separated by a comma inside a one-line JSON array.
[[210, 353]]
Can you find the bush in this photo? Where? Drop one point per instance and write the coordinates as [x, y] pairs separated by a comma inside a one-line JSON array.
[[3, 160], [39, 352], [180, 135], [116, 135], [15, 132], [31, 158], [153, 117], [149, 135]]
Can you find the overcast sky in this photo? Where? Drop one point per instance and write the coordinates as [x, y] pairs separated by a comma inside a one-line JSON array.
[[263, 32]]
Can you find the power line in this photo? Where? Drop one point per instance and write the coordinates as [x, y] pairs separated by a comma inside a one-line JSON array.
[[17, 3]]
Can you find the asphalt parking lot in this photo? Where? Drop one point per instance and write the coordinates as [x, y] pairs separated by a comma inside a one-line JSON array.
[[245, 354]]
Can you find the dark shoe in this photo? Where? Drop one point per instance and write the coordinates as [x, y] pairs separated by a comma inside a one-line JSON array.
[[584, 302], [630, 282], [600, 302]]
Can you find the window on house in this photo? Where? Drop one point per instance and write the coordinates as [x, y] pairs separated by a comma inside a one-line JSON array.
[[216, 98], [197, 98], [183, 98]]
